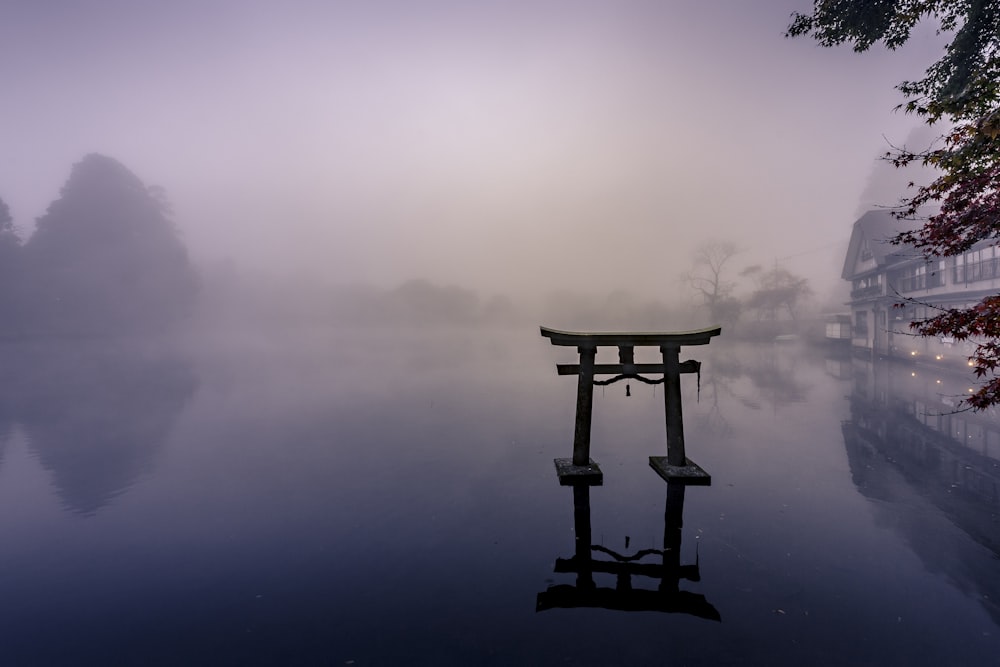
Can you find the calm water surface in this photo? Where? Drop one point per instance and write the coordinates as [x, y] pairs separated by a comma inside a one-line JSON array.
[[361, 497]]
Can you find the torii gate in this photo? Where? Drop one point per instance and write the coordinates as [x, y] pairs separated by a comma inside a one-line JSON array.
[[675, 465]]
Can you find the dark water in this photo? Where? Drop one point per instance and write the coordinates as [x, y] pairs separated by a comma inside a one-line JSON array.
[[331, 498]]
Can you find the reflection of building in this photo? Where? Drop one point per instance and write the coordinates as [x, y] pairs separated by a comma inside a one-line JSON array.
[[663, 565], [907, 446], [884, 275]]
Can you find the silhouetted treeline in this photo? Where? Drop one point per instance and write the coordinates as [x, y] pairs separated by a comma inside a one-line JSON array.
[[105, 258], [238, 296], [419, 303], [235, 296], [618, 310]]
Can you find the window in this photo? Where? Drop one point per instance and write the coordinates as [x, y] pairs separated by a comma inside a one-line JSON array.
[[861, 323], [981, 264], [866, 251], [868, 286], [921, 276]]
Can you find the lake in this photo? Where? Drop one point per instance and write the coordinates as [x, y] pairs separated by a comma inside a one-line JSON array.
[[365, 497]]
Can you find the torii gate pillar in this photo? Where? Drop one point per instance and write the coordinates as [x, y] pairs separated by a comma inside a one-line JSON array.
[[672, 404]]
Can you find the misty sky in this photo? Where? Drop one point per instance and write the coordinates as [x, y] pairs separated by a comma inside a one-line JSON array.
[[496, 145]]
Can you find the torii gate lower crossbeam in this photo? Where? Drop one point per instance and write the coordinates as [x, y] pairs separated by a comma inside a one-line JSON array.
[[675, 465]]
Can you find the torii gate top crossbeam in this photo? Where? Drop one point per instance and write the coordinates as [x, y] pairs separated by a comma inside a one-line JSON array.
[[636, 339]]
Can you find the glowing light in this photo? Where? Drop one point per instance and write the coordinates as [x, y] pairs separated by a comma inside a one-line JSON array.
[[913, 375], [938, 357], [939, 381], [970, 390], [913, 354], [970, 362]]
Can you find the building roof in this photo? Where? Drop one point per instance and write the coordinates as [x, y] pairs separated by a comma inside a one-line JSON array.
[[877, 228]]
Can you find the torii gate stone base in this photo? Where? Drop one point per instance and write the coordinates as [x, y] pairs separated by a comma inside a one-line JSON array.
[[675, 466]]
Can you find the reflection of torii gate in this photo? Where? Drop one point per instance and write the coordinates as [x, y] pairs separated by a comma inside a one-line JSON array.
[[675, 464], [668, 597]]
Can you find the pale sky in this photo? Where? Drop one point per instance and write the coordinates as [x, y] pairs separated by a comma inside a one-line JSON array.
[[504, 146]]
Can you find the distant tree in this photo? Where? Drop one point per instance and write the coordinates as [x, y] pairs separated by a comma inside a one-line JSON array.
[[106, 257], [961, 89], [727, 310], [779, 293], [707, 279], [499, 309], [6, 223], [423, 303]]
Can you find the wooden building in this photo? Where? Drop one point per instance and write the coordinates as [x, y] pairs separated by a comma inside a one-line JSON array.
[[894, 285]]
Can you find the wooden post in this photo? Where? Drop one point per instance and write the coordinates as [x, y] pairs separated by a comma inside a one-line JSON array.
[[584, 405], [673, 526], [582, 536], [672, 405]]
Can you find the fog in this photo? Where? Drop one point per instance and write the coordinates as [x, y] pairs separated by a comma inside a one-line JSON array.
[[517, 149], [274, 390]]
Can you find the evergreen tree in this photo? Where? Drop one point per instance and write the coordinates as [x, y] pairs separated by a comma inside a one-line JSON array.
[[105, 258], [10, 272]]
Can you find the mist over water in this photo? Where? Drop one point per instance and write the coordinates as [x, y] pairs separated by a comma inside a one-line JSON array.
[[387, 497]]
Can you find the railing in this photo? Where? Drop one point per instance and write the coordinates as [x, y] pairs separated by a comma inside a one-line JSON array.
[[920, 281], [862, 292], [986, 269]]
